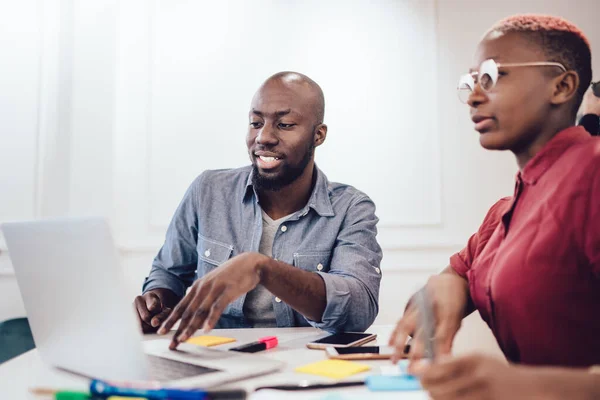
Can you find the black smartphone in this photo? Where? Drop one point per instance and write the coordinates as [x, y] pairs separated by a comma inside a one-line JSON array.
[[343, 339], [360, 352]]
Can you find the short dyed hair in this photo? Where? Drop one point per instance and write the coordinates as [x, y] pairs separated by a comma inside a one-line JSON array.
[[560, 40]]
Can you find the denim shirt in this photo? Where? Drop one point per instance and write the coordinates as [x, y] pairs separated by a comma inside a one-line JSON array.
[[333, 235]]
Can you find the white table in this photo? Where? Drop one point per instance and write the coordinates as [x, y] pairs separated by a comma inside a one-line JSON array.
[[28, 371]]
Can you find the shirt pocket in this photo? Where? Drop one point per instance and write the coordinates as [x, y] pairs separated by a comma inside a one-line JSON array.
[[317, 261], [211, 254]]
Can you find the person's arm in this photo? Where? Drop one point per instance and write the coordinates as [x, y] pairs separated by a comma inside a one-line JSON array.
[[565, 383], [174, 267], [345, 298], [470, 307], [304, 291], [352, 282], [449, 292], [483, 377]]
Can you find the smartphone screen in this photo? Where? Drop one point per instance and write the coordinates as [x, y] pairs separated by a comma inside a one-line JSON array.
[[365, 350], [343, 338]]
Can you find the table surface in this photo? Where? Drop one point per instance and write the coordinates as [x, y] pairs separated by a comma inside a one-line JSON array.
[[20, 374]]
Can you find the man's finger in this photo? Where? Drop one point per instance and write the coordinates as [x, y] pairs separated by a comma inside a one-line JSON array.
[[142, 311], [153, 303], [175, 339], [215, 313], [186, 317], [158, 319], [200, 306], [193, 301], [191, 324], [147, 328], [175, 315]]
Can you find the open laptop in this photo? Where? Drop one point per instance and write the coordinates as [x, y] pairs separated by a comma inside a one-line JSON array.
[[82, 321]]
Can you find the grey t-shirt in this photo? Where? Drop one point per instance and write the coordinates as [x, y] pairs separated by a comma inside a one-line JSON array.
[[258, 306]]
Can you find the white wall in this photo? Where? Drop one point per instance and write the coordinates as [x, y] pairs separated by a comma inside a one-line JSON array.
[[112, 107]]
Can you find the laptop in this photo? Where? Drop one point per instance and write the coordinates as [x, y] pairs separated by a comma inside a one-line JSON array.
[[82, 321]]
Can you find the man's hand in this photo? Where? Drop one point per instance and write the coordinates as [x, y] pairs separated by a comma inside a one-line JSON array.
[[590, 104], [479, 377], [449, 298], [153, 307], [208, 296]]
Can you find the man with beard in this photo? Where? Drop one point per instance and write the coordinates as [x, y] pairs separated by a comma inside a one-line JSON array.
[[274, 244]]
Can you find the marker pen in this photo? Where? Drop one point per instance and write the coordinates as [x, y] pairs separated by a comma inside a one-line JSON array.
[[264, 343]]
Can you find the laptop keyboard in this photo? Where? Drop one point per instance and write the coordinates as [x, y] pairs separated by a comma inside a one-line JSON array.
[[163, 369]]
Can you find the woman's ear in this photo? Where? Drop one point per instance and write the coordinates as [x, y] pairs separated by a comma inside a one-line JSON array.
[[565, 87], [320, 134]]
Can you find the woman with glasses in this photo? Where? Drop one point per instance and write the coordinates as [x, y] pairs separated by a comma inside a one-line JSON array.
[[532, 270]]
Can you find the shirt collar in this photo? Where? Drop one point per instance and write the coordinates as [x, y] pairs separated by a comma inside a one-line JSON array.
[[319, 200], [551, 152]]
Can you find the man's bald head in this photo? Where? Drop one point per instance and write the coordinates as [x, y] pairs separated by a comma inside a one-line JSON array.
[[286, 125], [303, 86]]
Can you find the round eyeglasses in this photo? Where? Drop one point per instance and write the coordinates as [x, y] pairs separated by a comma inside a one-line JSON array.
[[487, 76]]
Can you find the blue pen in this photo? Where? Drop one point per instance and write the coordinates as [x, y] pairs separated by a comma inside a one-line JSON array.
[[105, 389]]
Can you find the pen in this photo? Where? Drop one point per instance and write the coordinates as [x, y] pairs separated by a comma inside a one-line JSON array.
[[305, 385], [73, 395], [104, 389], [264, 343], [426, 322]]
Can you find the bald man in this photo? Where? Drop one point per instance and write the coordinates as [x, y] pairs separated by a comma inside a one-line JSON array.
[[274, 244]]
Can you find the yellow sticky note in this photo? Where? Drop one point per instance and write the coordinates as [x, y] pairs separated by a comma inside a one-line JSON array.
[[336, 369], [125, 398], [208, 341]]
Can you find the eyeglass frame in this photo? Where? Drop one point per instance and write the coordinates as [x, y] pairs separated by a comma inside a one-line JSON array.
[[494, 78]]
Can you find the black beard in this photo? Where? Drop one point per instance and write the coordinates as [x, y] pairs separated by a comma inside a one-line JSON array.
[[289, 174]]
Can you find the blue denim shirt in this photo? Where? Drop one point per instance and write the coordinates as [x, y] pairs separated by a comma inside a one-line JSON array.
[[334, 235]]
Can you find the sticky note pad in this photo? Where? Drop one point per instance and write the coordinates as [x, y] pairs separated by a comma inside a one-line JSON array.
[[377, 383], [336, 369], [208, 341]]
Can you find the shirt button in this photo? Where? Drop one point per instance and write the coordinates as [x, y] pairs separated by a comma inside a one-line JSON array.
[[277, 299], [283, 228], [320, 267], [377, 270], [207, 253]]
